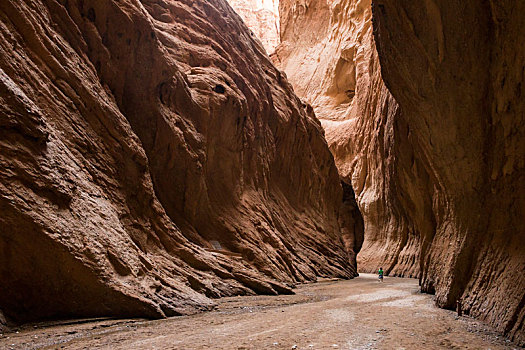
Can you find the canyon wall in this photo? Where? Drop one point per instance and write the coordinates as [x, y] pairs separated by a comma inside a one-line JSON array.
[[3, 323], [458, 80], [328, 53], [152, 158], [262, 18], [430, 133]]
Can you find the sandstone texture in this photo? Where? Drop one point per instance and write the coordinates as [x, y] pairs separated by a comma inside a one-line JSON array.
[[430, 133], [3, 322], [458, 80], [262, 17], [335, 68], [152, 158]]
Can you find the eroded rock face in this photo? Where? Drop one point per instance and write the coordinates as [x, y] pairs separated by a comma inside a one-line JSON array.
[[262, 17], [3, 322], [438, 165], [334, 66], [459, 82], [153, 158]]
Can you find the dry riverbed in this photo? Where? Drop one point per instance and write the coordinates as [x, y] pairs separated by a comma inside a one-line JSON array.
[[356, 314]]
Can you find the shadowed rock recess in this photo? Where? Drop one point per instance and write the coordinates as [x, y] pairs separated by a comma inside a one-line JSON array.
[[152, 158], [430, 133]]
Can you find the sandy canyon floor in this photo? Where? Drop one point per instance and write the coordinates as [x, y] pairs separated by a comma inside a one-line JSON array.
[[356, 314]]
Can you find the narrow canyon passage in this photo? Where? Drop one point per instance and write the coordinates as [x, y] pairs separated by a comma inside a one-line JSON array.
[[164, 158], [425, 121], [356, 314]]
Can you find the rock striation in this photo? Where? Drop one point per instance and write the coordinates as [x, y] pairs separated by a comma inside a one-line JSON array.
[[262, 17], [430, 133], [459, 82], [3, 323], [335, 67], [152, 158]]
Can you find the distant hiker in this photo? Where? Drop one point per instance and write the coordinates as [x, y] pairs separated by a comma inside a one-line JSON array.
[[380, 274]]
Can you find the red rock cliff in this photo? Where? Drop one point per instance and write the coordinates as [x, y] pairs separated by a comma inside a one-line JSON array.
[[438, 163], [457, 71], [262, 17], [328, 53], [152, 158]]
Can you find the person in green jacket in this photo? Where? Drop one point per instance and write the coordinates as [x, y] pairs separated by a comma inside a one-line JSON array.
[[380, 274]]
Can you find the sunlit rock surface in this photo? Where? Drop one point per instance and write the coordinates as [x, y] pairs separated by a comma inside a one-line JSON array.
[[328, 53], [262, 17], [152, 158]]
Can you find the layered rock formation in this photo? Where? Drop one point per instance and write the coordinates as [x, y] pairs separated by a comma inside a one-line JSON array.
[[458, 80], [335, 68], [438, 163], [262, 17], [152, 158]]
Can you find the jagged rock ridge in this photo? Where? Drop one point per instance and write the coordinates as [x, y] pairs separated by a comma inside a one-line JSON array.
[[153, 158]]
